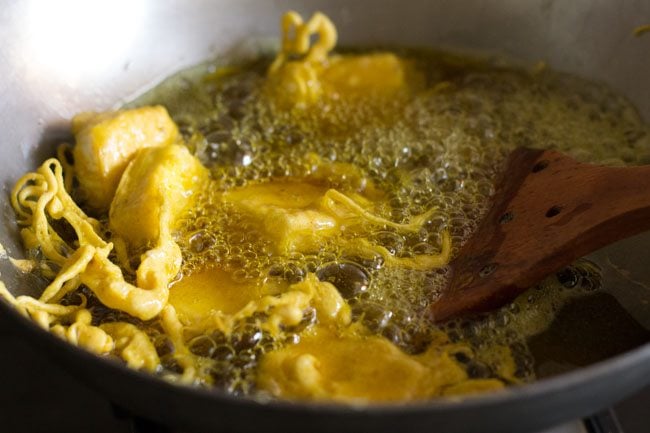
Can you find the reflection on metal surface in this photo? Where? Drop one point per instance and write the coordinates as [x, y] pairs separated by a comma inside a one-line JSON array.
[[76, 38]]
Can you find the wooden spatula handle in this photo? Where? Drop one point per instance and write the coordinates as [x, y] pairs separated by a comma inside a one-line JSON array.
[[549, 211]]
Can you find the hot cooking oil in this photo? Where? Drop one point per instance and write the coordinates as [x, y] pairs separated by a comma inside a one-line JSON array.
[[440, 144]]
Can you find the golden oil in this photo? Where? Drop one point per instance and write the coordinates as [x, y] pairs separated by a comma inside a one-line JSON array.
[[440, 144]]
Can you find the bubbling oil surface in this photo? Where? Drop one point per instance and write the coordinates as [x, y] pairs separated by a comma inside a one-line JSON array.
[[441, 145]]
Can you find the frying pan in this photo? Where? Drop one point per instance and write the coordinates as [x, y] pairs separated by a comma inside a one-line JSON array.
[[59, 58]]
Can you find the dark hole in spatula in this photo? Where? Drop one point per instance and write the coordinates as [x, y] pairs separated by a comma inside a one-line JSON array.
[[553, 211]]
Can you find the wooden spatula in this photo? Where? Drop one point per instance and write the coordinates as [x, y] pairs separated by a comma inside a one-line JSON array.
[[548, 211]]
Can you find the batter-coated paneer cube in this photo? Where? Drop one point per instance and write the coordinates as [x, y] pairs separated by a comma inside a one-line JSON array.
[[107, 142], [288, 194], [299, 83], [288, 212], [158, 185], [297, 230], [359, 75]]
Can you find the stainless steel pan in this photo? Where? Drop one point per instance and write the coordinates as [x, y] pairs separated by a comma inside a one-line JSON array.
[[58, 58]]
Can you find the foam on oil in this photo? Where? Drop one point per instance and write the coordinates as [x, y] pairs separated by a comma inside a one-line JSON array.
[[442, 144]]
